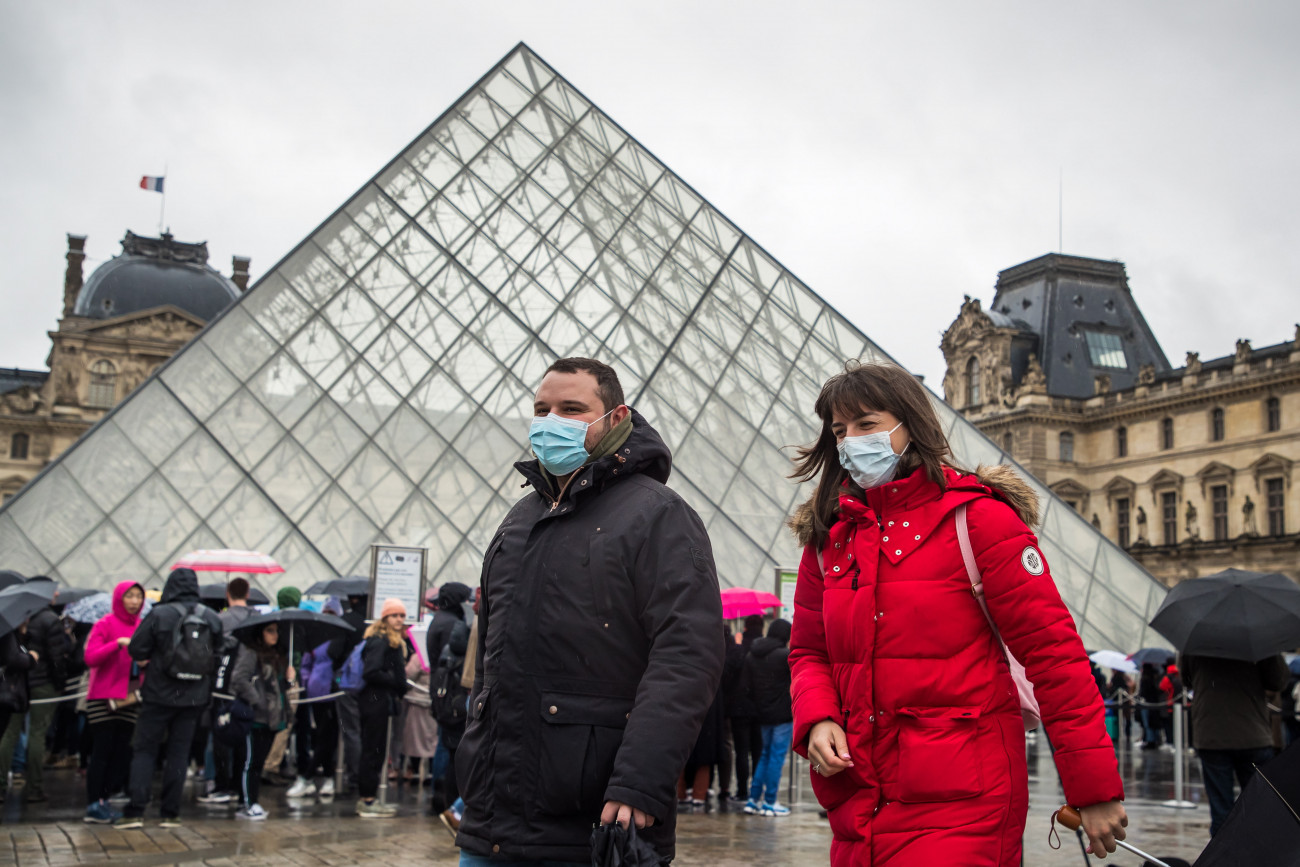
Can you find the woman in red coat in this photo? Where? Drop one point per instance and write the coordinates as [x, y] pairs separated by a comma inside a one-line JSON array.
[[903, 700]]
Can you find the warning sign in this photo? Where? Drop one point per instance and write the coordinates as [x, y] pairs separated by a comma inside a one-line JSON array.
[[397, 573]]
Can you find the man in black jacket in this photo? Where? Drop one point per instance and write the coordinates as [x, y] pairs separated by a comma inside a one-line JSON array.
[[598, 651], [169, 705], [766, 685], [46, 680]]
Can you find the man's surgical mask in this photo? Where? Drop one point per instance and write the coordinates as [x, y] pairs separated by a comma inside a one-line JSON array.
[[870, 458], [560, 443]]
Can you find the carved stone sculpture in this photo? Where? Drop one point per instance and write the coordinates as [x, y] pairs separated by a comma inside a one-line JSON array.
[[1142, 527], [1193, 529], [1248, 516]]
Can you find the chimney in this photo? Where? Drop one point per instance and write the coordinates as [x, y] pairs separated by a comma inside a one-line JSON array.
[[239, 272], [73, 277]]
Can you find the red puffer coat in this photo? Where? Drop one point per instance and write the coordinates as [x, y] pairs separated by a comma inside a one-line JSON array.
[[889, 642]]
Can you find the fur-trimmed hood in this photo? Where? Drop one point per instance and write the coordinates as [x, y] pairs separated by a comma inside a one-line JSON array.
[[1001, 481]]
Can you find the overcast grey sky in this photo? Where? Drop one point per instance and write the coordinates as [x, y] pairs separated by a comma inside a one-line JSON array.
[[894, 156]]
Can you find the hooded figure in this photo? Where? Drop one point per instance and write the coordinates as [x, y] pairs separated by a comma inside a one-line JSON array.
[[449, 609], [170, 705], [107, 659], [110, 714]]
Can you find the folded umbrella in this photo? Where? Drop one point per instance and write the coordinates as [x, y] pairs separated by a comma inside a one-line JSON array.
[[1114, 660], [21, 601], [217, 593], [1263, 828], [353, 586], [304, 628], [1233, 614], [744, 601]]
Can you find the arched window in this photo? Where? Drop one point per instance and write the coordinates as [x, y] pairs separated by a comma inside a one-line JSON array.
[[1067, 445], [18, 447], [1167, 433], [973, 382], [1273, 414], [1121, 442], [1216, 424], [102, 393]]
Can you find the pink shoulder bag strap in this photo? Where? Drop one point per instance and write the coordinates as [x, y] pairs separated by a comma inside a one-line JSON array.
[[1029, 710]]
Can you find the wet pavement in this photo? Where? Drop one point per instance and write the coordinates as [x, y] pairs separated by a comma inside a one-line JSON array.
[[328, 832]]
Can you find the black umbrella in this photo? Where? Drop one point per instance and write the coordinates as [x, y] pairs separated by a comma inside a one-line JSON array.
[[352, 586], [310, 628], [1157, 656], [1233, 614], [21, 601], [9, 578], [1265, 817], [69, 595], [217, 593]]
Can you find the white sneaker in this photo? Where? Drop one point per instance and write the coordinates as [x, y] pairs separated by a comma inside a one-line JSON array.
[[253, 812], [326, 788], [302, 788]]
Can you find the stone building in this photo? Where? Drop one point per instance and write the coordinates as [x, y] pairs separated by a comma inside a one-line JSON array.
[[135, 312], [1188, 468]]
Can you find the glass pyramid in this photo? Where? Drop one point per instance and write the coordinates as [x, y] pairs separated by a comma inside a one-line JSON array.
[[377, 384]]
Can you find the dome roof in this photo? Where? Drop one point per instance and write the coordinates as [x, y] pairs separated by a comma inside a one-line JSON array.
[[151, 272]]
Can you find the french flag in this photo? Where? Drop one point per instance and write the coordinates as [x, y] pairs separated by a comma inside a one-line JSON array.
[[148, 183]]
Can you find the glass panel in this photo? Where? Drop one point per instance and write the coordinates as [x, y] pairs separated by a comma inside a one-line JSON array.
[[291, 478], [482, 443], [276, 307], [522, 296], [392, 287], [526, 69], [638, 163], [312, 274], [719, 234], [1072, 579], [365, 397], [198, 380], [153, 421], [320, 352], [56, 516], [410, 190], [442, 404], [601, 132], [155, 519], [657, 223], [346, 245], [552, 271], [486, 116], [338, 529], [106, 558], [672, 192], [470, 196], [420, 525], [238, 341], [375, 484], [496, 170], [246, 430], [507, 92], [20, 554], [107, 465], [329, 436], [302, 565], [284, 389], [355, 319], [203, 473], [744, 562], [565, 100], [699, 259], [460, 140], [445, 224], [543, 123], [510, 233], [376, 215], [399, 361], [457, 490], [410, 442], [433, 161], [678, 285], [247, 519]]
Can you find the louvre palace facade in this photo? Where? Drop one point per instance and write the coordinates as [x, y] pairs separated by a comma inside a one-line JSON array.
[[1189, 469]]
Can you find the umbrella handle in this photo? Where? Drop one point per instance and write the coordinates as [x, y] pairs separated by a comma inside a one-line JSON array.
[[1071, 818]]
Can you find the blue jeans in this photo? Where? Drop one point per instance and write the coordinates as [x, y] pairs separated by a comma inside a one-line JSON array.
[[767, 771], [468, 859], [1218, 767]]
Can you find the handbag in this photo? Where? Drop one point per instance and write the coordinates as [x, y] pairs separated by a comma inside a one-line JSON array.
[[1029, 710], [132, 691]]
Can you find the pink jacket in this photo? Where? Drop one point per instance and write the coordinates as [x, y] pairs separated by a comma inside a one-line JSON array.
[[110, 665]]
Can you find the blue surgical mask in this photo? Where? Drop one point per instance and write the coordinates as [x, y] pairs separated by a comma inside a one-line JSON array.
[[560, 443], [870, 458]]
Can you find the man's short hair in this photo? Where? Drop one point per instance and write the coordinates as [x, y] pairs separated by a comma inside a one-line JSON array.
[[607, 384], [237, 588]]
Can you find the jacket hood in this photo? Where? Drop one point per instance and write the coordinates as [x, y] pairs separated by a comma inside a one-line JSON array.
[[766, 646], [644, 452], [182, 586], [119, 606], [998, 480]]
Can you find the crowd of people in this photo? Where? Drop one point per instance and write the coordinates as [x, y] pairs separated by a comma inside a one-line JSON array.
[[186, 688]]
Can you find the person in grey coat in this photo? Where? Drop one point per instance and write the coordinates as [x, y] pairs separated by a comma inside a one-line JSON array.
[[598, 652]]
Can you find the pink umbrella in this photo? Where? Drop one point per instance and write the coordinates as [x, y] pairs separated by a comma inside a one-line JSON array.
[[744, 601], [226, 560]]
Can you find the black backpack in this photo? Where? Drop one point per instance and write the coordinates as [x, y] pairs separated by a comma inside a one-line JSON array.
[[192, 653], [448, 700]]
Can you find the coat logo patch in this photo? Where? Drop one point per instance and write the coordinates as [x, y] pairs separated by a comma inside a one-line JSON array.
[[1031, 560]]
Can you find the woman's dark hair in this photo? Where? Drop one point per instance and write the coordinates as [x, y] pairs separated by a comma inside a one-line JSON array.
[[270, 654], [863, 387]]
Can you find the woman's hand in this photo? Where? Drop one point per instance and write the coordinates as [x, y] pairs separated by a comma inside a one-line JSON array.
[[36, 657], [123, 641], [290, 675], [1104, 824], [828, 748]]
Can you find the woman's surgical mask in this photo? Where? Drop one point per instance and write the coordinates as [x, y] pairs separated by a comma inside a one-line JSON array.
[[560, 443], [870, 458]]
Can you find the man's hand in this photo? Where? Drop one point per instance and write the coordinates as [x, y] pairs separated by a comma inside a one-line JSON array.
[[828, 748], [622, 813], [123, 641], [36, 657], [1104, 824]]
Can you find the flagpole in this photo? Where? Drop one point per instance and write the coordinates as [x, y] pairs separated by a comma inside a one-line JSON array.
[[163, 208]]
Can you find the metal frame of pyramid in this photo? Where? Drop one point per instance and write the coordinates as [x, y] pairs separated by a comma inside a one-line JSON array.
[[376, 385]]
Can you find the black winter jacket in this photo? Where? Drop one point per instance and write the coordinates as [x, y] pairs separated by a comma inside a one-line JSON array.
[[766, 681], [439, 633], [46, 636], [598, 656], [734, 701], [15, 663], [153, 637], [383, 669]]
